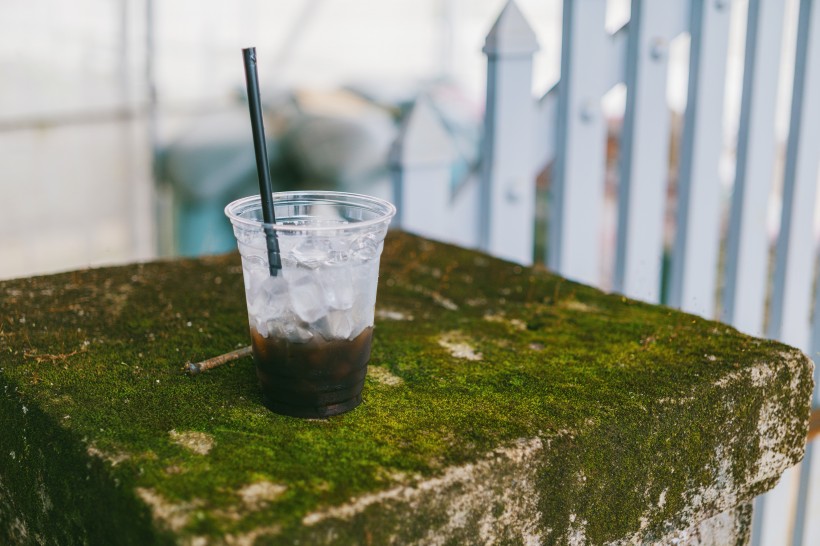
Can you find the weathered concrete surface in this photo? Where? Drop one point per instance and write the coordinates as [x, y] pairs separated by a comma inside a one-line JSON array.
[[730, 528], [504, 405]]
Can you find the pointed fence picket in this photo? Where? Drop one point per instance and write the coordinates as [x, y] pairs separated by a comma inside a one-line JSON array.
[[507, 189], [422, 159], [566, 129]]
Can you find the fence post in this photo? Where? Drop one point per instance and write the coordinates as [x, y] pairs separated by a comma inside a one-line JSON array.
[[421, 158], [789, 319], [577, 187], [694, 259], [747, 248], [507, 209], [791, 294], [644, 152]]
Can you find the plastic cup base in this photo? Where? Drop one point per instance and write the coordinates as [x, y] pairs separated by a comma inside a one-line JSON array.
[[314, 412]]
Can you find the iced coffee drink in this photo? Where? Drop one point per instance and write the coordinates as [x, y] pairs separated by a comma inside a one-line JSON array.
[[312, 323]]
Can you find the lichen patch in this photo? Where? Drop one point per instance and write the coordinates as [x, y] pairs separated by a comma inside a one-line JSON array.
[[249, 538], [730, 527], [19, 530], [392, 314], [575, 305], [437, 298], [172, 516], [761, 375], [256, 496], [576, 535], [459, 345], [112, 458], [383, 376], [117, 298], [514, 323], [447, 303], [771, 432], [244, 539], [718, 495], [197, 442]]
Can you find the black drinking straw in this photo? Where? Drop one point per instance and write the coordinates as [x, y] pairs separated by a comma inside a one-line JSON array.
[[262, 167]]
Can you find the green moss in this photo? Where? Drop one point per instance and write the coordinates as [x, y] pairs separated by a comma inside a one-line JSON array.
[[635, 401], [51, 492]]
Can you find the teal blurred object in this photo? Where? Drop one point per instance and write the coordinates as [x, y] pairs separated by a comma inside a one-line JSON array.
[[317, 140], [209, 166]]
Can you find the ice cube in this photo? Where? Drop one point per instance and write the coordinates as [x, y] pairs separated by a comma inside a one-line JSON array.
[[290, 328], [335, 325], [254, 271], [311, 252], [361, 317], [366, 248], [339, 252], [269, 299], [306, 295], [365, 279], [367, 316], [337, 285], [254, 262], [253, 286], [258, 324]]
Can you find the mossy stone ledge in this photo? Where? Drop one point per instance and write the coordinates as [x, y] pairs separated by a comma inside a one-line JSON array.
[[504, 405]]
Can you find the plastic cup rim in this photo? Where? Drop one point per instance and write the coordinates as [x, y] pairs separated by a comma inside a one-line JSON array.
[[319, 195]]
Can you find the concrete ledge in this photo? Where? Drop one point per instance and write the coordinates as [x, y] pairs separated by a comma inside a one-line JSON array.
[[732, 527], [504, 405]]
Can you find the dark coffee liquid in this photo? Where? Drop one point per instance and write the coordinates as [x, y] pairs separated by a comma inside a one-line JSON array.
[[314, 379]]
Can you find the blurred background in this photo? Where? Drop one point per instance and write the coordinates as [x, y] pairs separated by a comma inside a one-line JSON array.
[[124, 127]]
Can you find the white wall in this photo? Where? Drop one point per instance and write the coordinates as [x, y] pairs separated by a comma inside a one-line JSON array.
[[75, 138]]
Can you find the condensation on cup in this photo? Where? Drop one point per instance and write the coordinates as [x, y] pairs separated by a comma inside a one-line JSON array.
[[312, 323]]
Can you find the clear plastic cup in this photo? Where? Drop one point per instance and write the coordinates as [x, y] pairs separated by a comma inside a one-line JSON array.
[[312, 324]]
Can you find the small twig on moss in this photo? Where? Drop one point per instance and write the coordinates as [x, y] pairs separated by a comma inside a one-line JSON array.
[[194, 368], [48, 357]]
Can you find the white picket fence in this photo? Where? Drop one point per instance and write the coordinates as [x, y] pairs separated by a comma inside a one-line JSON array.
[[566, 129]]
